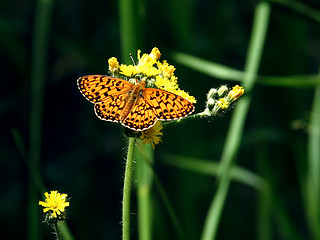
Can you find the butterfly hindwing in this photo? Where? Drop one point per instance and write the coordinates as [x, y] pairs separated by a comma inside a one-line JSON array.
[[167, 105], [140, 117], [110, 109]]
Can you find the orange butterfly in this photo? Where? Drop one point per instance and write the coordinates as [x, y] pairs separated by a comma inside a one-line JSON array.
[[133, 105]]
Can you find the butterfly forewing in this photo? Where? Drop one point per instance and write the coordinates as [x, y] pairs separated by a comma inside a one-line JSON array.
[[108, 94], [96, 88]]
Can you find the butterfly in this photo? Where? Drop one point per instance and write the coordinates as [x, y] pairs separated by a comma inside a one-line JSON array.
[[133, 105]]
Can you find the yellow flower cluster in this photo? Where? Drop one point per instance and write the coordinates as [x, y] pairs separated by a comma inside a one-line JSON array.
[[55, 203], [221, 98], [157, 74]]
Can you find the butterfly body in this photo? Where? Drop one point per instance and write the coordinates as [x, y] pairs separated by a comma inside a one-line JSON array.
[[132, 99], [133, 105]]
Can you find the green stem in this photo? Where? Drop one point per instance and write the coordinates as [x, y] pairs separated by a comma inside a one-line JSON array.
[[263, 205], [56, 229], [144, 177], [313, 176], [65, 231], [128, 17], [127, 190], [232, 144], [128, 29]]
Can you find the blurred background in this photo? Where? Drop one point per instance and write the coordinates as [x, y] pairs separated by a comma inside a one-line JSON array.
[[82, 156]]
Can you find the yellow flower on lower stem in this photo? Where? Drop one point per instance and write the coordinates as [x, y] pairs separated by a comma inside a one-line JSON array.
[[55, 203], [152, 135]]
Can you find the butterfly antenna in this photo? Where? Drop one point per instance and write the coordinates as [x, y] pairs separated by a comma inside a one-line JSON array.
[[132, 59]]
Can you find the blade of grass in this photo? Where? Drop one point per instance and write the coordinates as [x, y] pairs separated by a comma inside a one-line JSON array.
[[283, 221], [163, 195], [211, 168], [207, 67], [313, 175], [269, 204], [264, 229], [264, 209], [144, 176], [37, 180], [170, 209], [41, 29], [294, 81], [223, 72], [232, 144]]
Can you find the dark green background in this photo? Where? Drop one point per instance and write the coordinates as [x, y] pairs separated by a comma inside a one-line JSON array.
[[84, 156]]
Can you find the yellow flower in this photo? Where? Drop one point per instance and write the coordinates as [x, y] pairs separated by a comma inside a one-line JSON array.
[[166, 69], [113, 65], [54, 202], [165, 84], [146, 59], [222, 98], [128, 70], [152, 135], [146, 65], [155, 53], [235, 93], [148, 70], [158, 74], [186, 95]]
